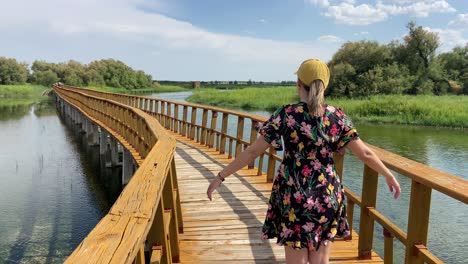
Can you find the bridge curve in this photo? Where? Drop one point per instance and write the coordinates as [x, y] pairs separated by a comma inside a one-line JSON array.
[[210, 140]]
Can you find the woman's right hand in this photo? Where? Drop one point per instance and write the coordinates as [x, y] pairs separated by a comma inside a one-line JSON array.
[[393, 185]]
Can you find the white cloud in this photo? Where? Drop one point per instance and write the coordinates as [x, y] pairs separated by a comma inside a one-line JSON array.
[[330, 39], [460, 22], [347, 12], [449, 38], [418, 8], [355, 15], [323, 3], [81, 29], [362, 33], [263, 21]]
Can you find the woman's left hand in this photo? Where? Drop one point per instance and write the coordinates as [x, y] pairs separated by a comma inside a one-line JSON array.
[[215, 183]]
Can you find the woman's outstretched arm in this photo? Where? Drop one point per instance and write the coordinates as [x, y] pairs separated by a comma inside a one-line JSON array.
[[364, 153], [244, 158]]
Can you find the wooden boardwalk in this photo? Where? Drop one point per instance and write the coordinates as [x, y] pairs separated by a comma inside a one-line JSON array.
[[227, 229]]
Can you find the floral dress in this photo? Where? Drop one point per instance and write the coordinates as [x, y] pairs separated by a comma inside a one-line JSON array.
[[307, 202]]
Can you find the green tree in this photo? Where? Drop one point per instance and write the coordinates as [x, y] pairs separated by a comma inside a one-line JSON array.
[[362, 55], [46, 78], [390, 79], [454, 63], [342, 81], [417, 52], [354, 60], [421, 46], [93, 78], [12, 72]]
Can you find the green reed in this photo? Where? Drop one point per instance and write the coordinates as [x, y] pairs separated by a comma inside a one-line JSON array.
[[447, 111]]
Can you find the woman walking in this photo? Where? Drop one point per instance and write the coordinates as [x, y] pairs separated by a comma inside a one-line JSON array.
[[306, 209]]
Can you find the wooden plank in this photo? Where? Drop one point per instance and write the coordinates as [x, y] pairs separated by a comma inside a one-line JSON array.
[[228, 229]]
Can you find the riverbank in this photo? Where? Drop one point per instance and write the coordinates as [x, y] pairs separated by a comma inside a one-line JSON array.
[[15, 100], [21, 91], [444, 111]]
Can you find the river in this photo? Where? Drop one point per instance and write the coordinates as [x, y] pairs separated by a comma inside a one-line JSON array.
[[51, 197]]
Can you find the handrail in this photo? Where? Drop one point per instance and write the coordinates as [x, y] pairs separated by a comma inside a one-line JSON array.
[[424, 178], [148, 209]]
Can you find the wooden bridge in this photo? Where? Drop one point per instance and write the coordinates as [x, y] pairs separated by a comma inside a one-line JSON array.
[[163, 215]]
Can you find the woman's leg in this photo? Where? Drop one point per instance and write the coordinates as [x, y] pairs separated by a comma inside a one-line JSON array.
[[294, 256], [322, 255]]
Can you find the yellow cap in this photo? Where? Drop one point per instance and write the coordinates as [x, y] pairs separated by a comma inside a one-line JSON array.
[[313, 69]]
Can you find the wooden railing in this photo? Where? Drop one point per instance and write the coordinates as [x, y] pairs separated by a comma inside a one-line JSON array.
[[175, 115], [147, 214]]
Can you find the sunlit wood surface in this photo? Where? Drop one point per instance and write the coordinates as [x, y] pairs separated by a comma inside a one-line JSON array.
[[227, 229]]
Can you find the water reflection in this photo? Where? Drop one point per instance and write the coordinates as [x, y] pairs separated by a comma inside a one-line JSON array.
[[13, 111], [50, 194]]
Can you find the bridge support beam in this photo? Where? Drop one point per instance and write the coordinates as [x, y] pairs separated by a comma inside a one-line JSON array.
[[102, 141], [92, 132], [114, 152], [127, 167]]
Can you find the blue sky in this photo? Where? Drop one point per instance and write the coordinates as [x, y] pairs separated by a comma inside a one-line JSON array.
[[215, 39]]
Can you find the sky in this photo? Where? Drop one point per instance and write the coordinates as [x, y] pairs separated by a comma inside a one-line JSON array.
[[187, 40]]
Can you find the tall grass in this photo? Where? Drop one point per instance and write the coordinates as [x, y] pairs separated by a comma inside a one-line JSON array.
[[268, 98], [447, 111], [21, 91]]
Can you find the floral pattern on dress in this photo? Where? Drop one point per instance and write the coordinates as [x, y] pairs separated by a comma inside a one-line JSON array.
[[307, 202]]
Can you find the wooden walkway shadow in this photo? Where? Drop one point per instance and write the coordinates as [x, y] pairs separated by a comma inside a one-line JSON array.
[[227, 229]]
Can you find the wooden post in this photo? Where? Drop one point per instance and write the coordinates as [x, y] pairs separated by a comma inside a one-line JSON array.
[[169, 117], [214, 119], [176, 118], [260, 165], [338, 159], [388, 247], [177, 196], [193, 121], [418, 221], [271, 165], [253, 137], [203, 138], [163, 114], [156, 110], [170, 203], [140, 258], [350, 212], [366, 227], [157, 235], [230, 148], [240, 135], [184, 121], [222, 147]]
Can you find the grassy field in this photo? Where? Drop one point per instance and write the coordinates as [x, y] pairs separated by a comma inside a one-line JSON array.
[[161, 89], [248, 98], [21, 91], [446, 111], [15, 100]]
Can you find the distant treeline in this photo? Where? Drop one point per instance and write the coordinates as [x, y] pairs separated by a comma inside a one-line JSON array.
[[226, 84], [106, 72], [410, 66]]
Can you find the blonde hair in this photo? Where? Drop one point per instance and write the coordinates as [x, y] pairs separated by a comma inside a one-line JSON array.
[[315, 99]]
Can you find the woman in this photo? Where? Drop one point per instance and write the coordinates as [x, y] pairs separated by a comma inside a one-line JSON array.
[[306, 209]]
